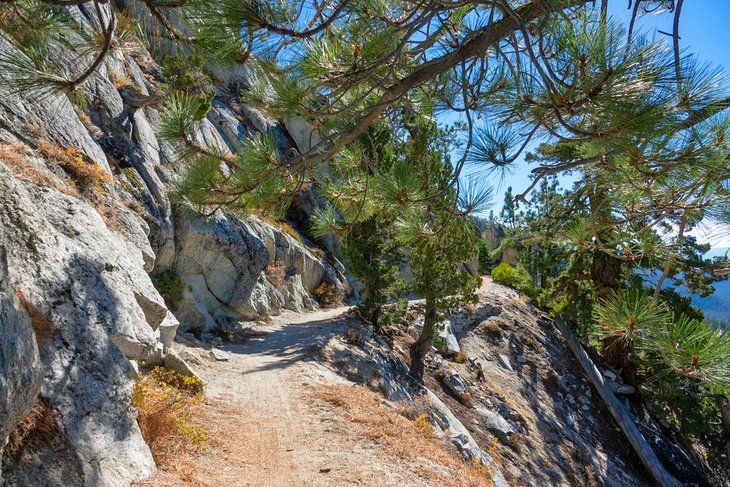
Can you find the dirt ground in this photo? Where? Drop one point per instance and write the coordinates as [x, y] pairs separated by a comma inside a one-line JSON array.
[[277, 417]]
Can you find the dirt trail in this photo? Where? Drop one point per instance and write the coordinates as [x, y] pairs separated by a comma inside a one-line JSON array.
[[262, 379], [270, 428]]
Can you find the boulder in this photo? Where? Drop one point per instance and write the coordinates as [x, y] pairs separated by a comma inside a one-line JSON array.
[[456, 383], [447, 343], [497, 425], [20, 365], [89, 283], [221, 261]]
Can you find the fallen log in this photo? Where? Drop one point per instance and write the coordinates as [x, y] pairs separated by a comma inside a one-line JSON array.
[[660, 475]]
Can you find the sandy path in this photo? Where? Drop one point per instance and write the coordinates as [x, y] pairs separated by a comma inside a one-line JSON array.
[[263, 378]]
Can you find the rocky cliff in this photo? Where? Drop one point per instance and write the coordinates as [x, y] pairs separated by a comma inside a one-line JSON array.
[[89, 238]]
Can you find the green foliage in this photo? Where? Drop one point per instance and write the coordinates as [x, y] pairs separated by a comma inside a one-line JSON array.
[[186, 76], [679, 304], [484, 253], [508, 275], [373, 256], [393, 312], [693, 349], [629, 314], [169, 285]]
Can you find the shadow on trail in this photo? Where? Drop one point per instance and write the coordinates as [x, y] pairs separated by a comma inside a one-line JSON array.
[[290, 343]]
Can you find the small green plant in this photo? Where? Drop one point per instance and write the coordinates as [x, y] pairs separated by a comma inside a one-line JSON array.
[[393, 312], [169, 286], [508, 275], [460, 358]]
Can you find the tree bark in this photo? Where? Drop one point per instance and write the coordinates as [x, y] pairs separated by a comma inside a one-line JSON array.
[[660, 475], [420, 348], [725, 410]]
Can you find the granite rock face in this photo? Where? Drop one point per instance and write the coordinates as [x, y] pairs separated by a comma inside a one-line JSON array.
[[92, 287], [19, 386]]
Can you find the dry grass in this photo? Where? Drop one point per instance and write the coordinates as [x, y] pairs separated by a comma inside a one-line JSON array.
[[41, 323], [407, 440], [13, 157], [288, 229], [93, 129], [276, 275], [227, 429], [109, 214], [91, 178], [168, 409], [352, 336], [38, 427], [134, 205], [36, 130]]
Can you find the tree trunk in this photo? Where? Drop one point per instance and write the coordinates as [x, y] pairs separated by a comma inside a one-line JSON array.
[[420, 348], [640, 445], [605, 273], [725, 409]]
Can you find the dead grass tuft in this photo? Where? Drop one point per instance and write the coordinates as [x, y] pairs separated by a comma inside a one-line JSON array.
[[408, 440], [38, 427], [134, 205], [352, 336], [109, 213], [86, 120], [227, 428], [13, 157], [41, 323], [276, 275], [91, 179]]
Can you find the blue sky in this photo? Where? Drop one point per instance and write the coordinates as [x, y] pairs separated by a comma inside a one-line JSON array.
[[703, 26]]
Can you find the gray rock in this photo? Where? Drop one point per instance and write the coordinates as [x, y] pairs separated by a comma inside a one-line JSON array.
[[460, 437], [173, 361], [458, 385], [448, 344], [53, 114], [88, 282], [220, 355], [221, 261], [497, 425], [610, 375], [20, 365], [521, 359], [504, 360], [620, 388]]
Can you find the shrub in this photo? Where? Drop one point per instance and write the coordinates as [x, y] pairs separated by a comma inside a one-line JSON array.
[[460, 358], [167, 404], [393, 312], [327, 295], [90, 178], [169, 286], [508, 275], [352, 336]]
